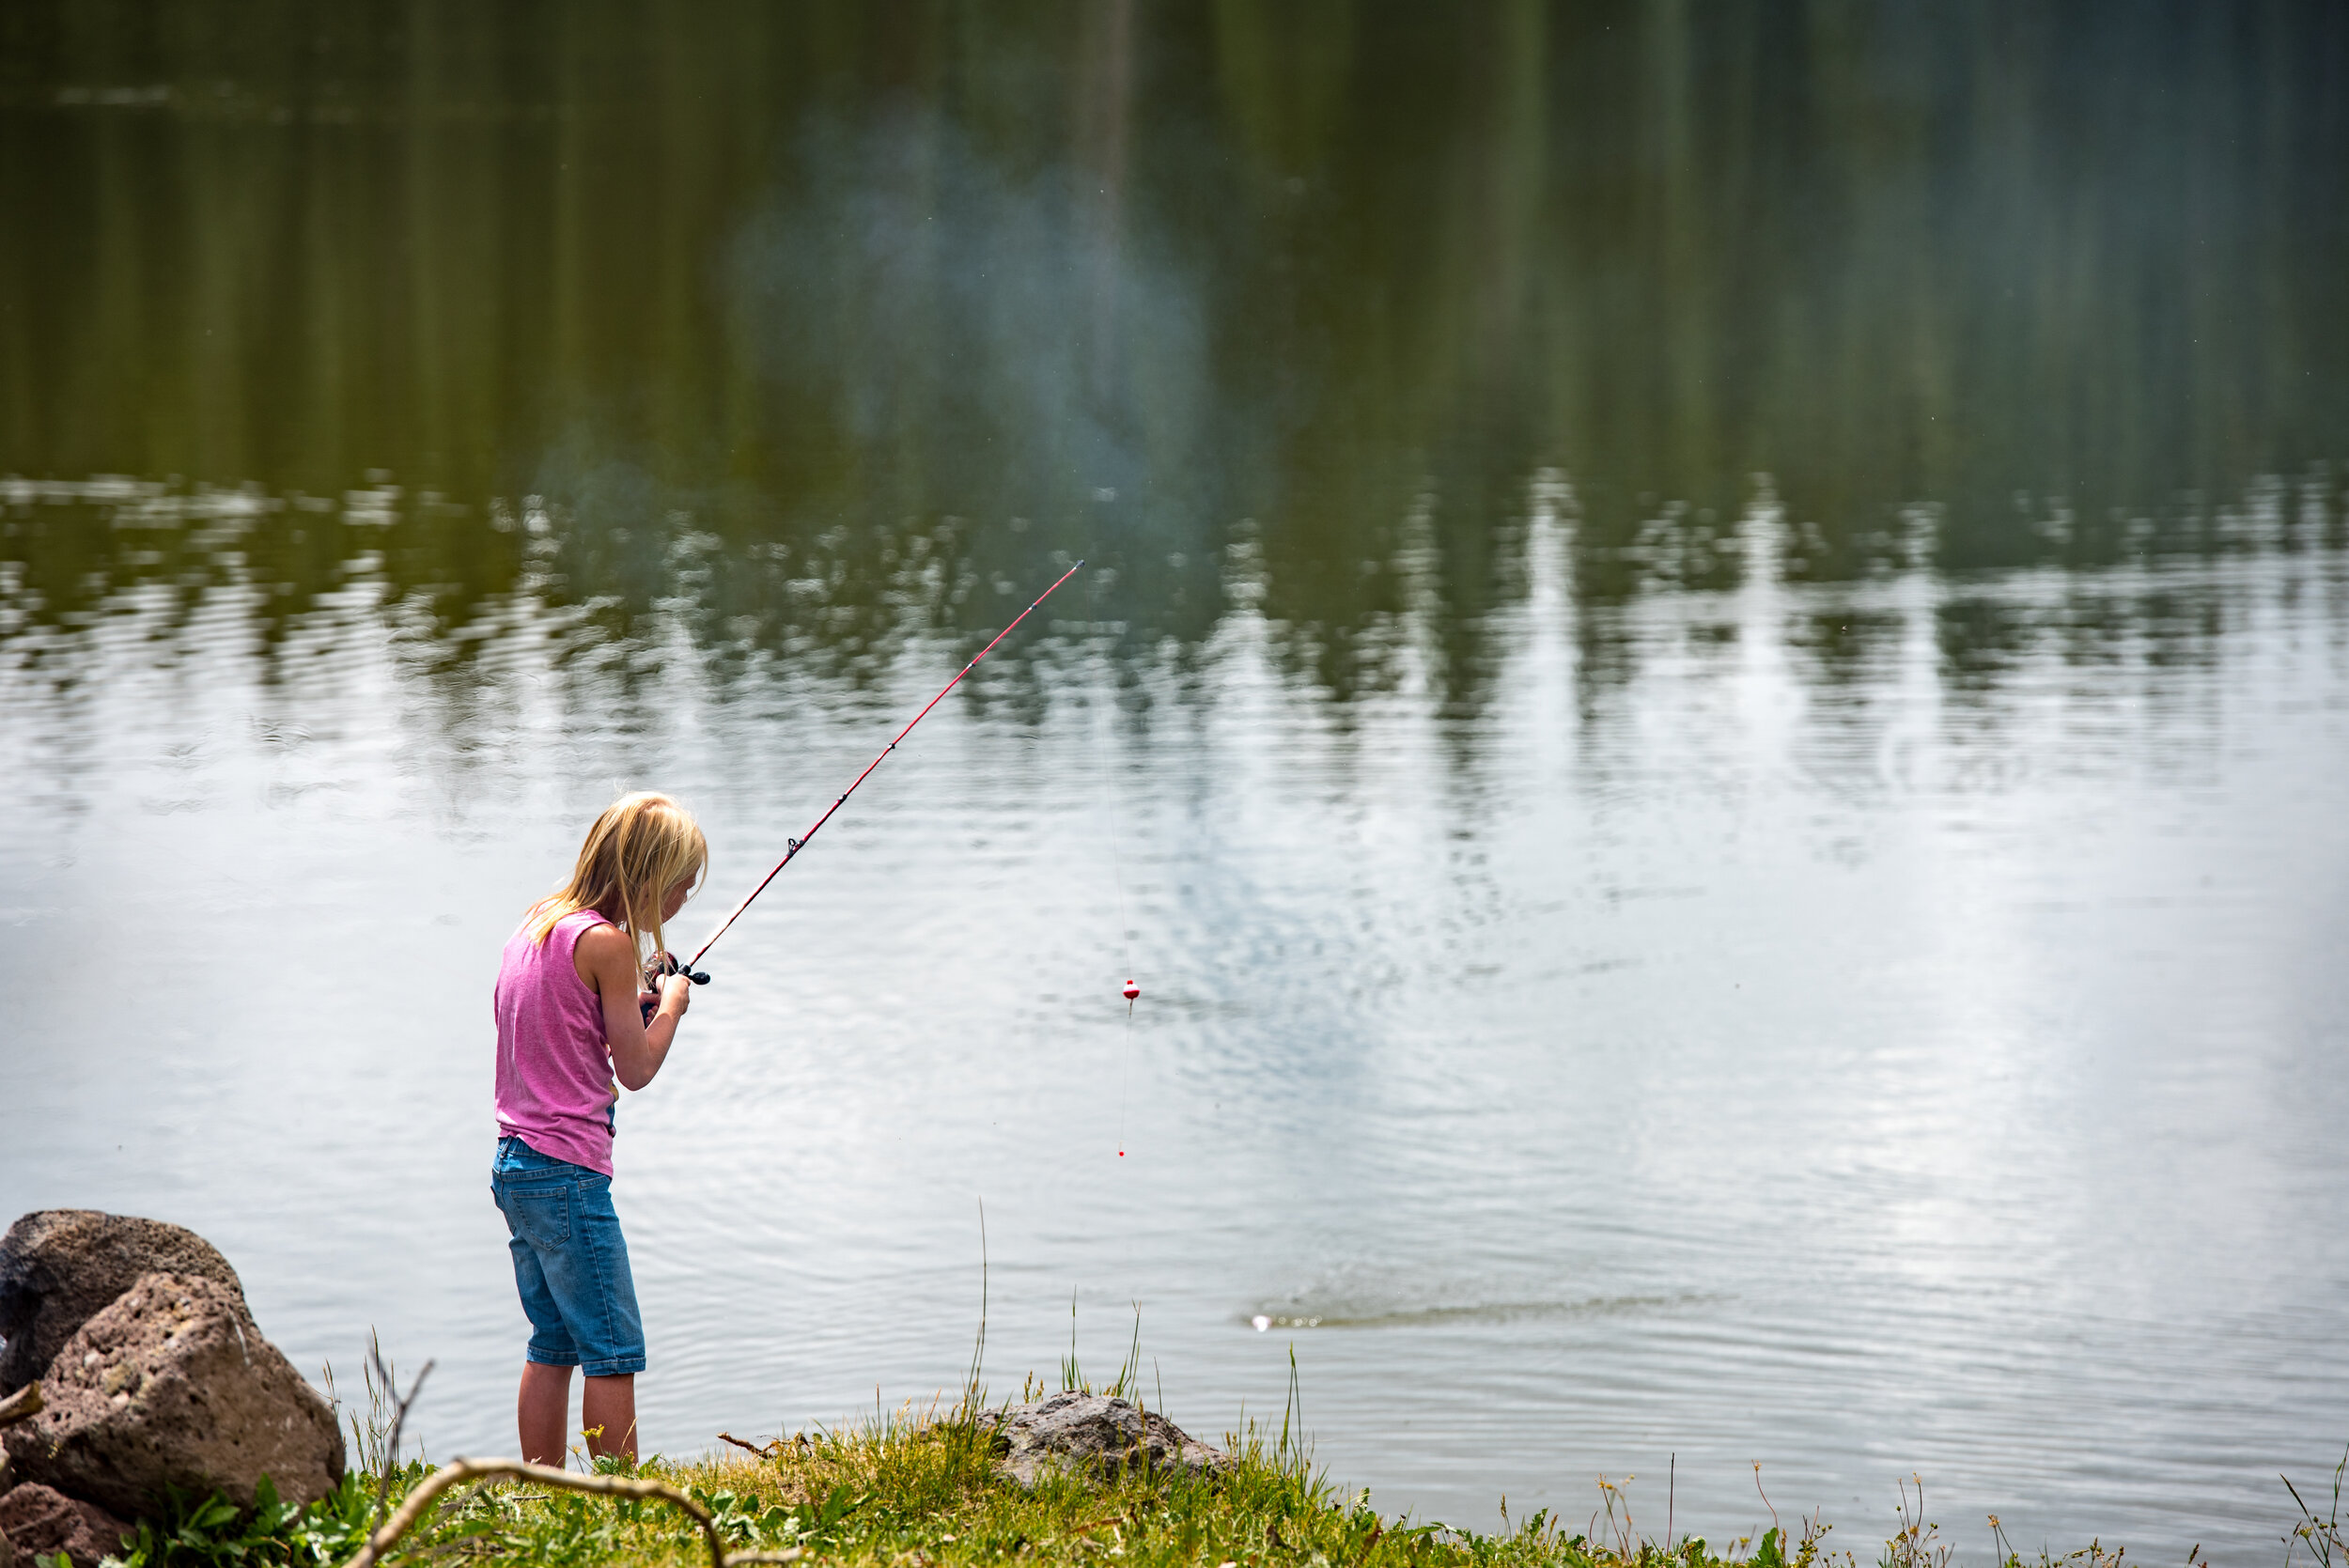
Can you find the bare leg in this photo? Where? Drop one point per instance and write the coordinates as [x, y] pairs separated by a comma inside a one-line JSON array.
[[540, 1409], [607, 1412]]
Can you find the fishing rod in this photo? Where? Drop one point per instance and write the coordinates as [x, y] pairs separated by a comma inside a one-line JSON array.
[[690, 968]]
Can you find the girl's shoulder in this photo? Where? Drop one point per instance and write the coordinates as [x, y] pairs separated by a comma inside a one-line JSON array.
[[601, 945], [599, 934], [580, 926]]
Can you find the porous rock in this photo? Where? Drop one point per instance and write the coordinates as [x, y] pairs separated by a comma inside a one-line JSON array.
[[172, 1386], [1093, 1435], [60, 1267], [41, 1522]]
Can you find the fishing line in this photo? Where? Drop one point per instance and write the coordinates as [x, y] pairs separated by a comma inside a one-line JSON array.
[[1107, 785], [793, 845]]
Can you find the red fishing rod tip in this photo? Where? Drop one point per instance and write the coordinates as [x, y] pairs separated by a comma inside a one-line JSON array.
[[1133, 990]]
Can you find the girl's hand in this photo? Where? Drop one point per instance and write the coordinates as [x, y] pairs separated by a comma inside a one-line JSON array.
[[649, 1003]]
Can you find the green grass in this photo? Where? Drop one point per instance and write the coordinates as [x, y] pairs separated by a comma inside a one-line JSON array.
[[922, 1492], [908, 1493]]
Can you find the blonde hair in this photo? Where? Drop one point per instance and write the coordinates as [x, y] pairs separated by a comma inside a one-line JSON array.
[[643, 845]]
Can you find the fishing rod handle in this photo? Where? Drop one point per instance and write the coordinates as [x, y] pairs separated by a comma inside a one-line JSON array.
[[666, 965], [648, 1006]]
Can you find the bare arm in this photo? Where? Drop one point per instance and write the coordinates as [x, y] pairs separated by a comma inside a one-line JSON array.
[[607, 962]]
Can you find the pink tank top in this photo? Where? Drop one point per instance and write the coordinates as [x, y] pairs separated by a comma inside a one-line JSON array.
[[554, 1086]]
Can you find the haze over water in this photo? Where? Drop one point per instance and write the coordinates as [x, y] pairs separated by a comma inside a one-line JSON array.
[[1709, 701]]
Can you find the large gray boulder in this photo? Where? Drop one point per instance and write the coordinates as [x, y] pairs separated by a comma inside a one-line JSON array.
[[41, 1522], [60, 1267], [1093, 1435], [173, 1386]]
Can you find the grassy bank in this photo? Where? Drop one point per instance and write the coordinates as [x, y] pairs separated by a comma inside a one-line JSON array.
[[907, 1493], [925, 1491], [913, 1493]]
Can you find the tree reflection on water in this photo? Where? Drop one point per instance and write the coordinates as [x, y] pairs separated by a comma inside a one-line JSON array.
[[806, 326]]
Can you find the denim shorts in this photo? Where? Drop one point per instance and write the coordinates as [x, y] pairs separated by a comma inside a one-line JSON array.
[[570, 1262]]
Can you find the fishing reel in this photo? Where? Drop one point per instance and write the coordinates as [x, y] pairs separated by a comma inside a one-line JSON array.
[[659, 969]]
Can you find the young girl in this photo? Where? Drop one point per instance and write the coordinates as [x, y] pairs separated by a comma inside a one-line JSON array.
[[570, 1021]]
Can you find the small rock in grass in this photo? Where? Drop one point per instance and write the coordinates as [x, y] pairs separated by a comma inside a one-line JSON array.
[[60, 1267], [172, 1386], [1095, 1434], [42, 1521]]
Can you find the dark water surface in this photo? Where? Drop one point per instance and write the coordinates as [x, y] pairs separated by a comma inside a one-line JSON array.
[[1711, 705]]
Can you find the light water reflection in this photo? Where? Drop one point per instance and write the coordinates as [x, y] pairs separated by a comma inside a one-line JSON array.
[[1893, 1027], [1709, 706]]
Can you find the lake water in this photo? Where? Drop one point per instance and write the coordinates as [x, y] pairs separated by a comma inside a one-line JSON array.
[[1710, 703]]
